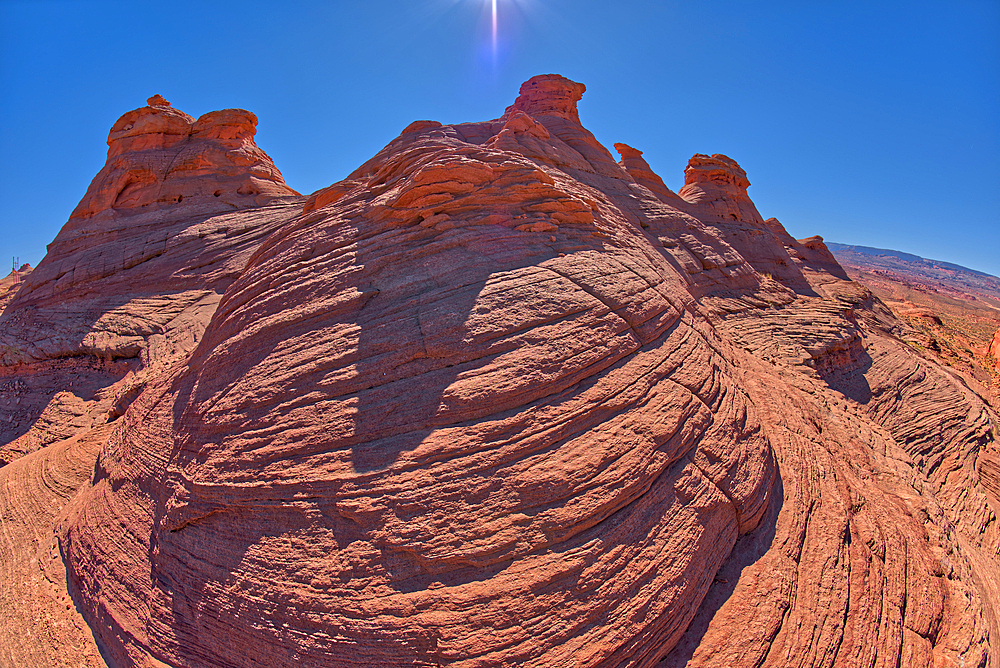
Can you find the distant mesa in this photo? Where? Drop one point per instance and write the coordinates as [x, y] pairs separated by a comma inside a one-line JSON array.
[[888, 255], [950, 276]]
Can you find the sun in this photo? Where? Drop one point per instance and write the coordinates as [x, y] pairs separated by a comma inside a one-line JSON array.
[[514, 16], [494, 28]]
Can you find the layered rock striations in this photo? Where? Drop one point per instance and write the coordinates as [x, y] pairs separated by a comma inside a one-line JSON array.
[[715, 190], [498, 399], [498, 423], [178, 199], [134, 276]]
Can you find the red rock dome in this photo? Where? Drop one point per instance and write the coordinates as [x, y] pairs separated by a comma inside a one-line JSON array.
[[497, 399]]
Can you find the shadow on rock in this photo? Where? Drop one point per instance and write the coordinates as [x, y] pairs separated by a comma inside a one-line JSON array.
[[851, 382], [746, 552]]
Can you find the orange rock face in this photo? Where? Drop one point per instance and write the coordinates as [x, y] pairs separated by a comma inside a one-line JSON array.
[[165, 226], [718, 187], [138, 270], [496, 410], [715, 191], [497, 399], [159, 155], [633, 162]]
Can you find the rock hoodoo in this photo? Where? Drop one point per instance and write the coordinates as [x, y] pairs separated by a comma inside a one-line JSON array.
[[633, 163], [549, 95], [498, 399], [138, 270], [717, 186], [164, 226], [159, 155]]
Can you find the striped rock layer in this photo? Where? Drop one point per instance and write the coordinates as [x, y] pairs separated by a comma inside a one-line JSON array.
[[498, 399]]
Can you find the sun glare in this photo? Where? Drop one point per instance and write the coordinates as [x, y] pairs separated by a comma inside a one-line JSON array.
[[493, 40], [494, 30]]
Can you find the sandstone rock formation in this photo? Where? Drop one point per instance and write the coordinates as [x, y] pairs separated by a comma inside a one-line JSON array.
[[158, 155], [810, 254], [138, 270], [42, 626], [50, 401], [633, 162], [497, 399], [715, 188]]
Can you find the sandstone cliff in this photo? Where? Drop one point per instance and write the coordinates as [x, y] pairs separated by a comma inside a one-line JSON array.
[[171, 216], [498, 399]]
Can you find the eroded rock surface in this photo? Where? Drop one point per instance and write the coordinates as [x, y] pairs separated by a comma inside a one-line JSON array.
[[42, 625], [140, 267], [158, 156], [498, 406], [498, 399], [162, 230], [50, 401]]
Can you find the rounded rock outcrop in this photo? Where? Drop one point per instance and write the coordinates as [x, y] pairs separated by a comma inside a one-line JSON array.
[[550, 95], [496, 399], [463, 393], [717, 185], [158, 155]]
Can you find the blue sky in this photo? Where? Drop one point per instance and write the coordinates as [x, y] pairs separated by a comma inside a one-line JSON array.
[[867, 123]]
